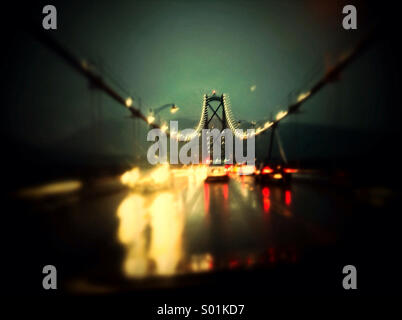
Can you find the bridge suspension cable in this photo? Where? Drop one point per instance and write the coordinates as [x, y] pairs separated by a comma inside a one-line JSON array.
[[86, 70], [327, 78], [331, 74]]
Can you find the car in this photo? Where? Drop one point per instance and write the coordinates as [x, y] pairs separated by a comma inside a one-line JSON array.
[[274, 174], [246, 169], [217, 172], [243, 169]]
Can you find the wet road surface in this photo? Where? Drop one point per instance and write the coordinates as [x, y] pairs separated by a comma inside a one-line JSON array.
[[142, 230]]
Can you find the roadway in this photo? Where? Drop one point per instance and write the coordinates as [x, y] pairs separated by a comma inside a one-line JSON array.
[[146, 227]]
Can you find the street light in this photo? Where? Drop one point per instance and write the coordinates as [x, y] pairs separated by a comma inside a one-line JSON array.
[[153, 114], [173, 108]]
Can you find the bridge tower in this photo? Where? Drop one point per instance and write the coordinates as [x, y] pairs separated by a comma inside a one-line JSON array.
[[218, 113]]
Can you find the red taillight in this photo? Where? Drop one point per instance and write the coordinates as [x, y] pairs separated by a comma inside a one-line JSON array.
[[267, 170], [233, 264], [288, 170]]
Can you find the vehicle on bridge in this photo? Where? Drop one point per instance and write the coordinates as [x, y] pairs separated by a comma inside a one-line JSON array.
[[243, 169], [274, 173], [217, 172]]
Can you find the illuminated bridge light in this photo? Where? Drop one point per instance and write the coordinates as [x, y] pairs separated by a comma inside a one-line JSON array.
[[268, 124], [189, 137], [129, 102], [281, 114], [164, 127], [303, 96], [150, 119]]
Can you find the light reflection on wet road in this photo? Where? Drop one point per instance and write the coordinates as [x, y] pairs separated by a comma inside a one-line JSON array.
[[170, 222], [193, 226]]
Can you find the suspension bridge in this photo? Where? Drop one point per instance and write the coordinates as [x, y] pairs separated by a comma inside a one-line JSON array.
[[223, 111], [116, 232]]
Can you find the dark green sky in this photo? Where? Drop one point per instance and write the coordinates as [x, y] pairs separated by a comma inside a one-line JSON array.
[[174, 51]]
